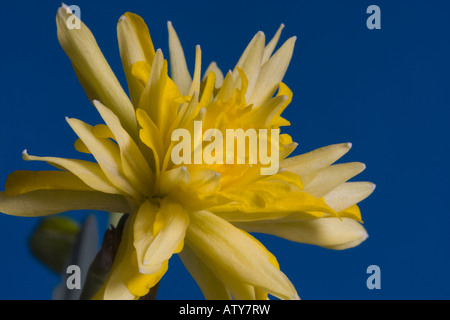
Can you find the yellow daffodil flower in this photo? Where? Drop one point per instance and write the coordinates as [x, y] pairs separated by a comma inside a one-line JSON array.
[[203, 212]]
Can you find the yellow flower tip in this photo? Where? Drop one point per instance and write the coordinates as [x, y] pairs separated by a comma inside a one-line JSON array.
[[365, 235], [25, 154], [371, 186], [63, 5], [122, 18], [349, 145], [296, 297], [292, 41]]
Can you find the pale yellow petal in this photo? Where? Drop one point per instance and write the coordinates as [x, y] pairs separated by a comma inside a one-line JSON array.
[[143, 224], [134, 165], [272, 44], [19, 182], [195, 85], [159, 98], [178, 67], [151, 137], [253, 52], [46, 202], [272, 73], [348, 194], [135, 44], [307, 164], [329, 178], [331, 233], [251, 62], [217, 72], [173, 221], [219, 285], [226, 249], [93, 71], [211, 286], [107, 155], [89, 172]]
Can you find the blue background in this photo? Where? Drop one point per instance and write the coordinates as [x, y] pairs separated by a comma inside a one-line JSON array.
[[386, 91]]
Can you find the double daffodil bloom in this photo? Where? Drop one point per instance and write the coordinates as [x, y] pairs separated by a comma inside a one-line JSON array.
[[203, 212]]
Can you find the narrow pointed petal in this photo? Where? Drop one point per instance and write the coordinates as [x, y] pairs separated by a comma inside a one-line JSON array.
[[135, 45], [211, 286], [20, 182], [107, 155], [134, 165], [151, 137], [195, 85], [93, 71], [348, 194], [89, 172], [217, 72], [272, 73], [252, 62], [227, 249], [46, 202], [331, 233], [329, 178], [178, 67], [159, 98], [252, 52], [272, 44], [308, 164]]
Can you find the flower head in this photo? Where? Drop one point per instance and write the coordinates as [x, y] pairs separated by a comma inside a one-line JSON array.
[[179, 200]]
